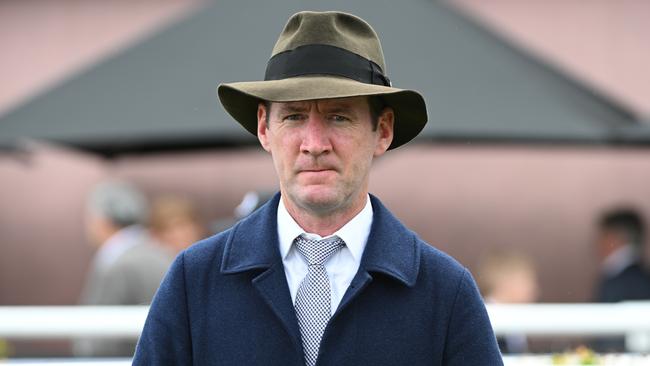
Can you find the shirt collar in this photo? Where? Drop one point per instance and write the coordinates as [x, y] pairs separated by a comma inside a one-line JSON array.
[[619, 260], [391, 248], [354, 233]]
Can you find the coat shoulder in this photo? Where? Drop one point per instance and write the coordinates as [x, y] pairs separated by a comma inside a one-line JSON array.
[[441, 273], [435, 259], [206, 252]]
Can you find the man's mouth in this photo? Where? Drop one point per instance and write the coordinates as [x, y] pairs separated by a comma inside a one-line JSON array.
[[317, 170]]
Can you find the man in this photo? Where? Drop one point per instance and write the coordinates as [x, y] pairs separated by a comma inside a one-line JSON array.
[[323, 273], [623, 276], [620, 240], [127, 268]]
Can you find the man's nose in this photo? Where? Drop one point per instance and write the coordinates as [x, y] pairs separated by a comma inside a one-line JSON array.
[[316, 136]]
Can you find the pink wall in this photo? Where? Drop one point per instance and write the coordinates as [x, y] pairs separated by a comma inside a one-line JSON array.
[[464, 200], [467, 200], [44, 256]]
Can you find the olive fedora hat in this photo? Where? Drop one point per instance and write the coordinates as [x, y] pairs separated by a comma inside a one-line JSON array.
[[322, 55]]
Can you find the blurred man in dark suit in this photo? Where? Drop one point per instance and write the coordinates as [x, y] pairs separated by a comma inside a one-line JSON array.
[[620, 243], [624, 277]]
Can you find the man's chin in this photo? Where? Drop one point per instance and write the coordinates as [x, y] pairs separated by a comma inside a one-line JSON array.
[[321, 202]]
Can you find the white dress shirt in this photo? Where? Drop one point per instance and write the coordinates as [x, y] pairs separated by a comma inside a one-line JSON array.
[[341, 266]]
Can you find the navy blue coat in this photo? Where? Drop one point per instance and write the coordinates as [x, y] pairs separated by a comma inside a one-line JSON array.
[[632, 283], [225, 301]]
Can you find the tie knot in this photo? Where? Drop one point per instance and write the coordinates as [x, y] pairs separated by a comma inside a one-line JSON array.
[[318, 252]]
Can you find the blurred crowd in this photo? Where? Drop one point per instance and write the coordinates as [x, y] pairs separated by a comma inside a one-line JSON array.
[[136, 238], [136, 241], [510, 277]]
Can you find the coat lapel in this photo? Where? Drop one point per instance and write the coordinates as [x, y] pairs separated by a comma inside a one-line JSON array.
[[391, 250], [272, 287], [253, 245]]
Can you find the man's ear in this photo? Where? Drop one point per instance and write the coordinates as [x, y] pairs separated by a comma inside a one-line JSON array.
[[385, 124], [262, 126]]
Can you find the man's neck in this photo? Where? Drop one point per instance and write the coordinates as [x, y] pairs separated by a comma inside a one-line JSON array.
[[326, 224]]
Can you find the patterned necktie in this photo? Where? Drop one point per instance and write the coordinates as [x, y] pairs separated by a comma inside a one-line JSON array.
[[313, 306]]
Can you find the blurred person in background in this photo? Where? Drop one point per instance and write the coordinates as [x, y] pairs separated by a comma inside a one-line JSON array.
[[251, 201], [508, 277], [127, 267], [620, 241], [623, 275], [175, 222]]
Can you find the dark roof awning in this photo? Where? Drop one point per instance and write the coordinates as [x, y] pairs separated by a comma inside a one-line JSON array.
[[161, 93]]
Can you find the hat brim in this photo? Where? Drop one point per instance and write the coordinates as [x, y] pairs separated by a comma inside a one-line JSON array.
[[241, 99]]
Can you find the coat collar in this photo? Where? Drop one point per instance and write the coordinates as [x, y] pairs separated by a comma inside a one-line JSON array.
[[391, 249], [253, 241]]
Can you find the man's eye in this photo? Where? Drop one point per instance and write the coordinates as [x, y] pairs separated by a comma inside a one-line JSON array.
[[293, 117], [338, 118]]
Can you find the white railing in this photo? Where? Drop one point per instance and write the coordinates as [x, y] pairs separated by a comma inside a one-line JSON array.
[[571, 319], [630, 319], [56, 322], [53, 322]]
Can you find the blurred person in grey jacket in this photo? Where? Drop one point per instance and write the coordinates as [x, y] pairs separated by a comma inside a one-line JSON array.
[[128, 265]]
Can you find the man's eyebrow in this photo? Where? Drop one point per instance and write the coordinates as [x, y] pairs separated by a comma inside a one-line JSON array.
[[292, 107], [338, 108]]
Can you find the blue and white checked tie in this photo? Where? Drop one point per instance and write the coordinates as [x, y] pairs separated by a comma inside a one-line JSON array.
[[313, 304]]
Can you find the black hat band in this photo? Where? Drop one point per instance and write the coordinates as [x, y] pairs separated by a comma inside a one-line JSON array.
[[320, 59]]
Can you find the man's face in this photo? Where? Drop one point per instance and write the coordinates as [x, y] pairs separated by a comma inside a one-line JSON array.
[[323, 150], [608, 242]]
